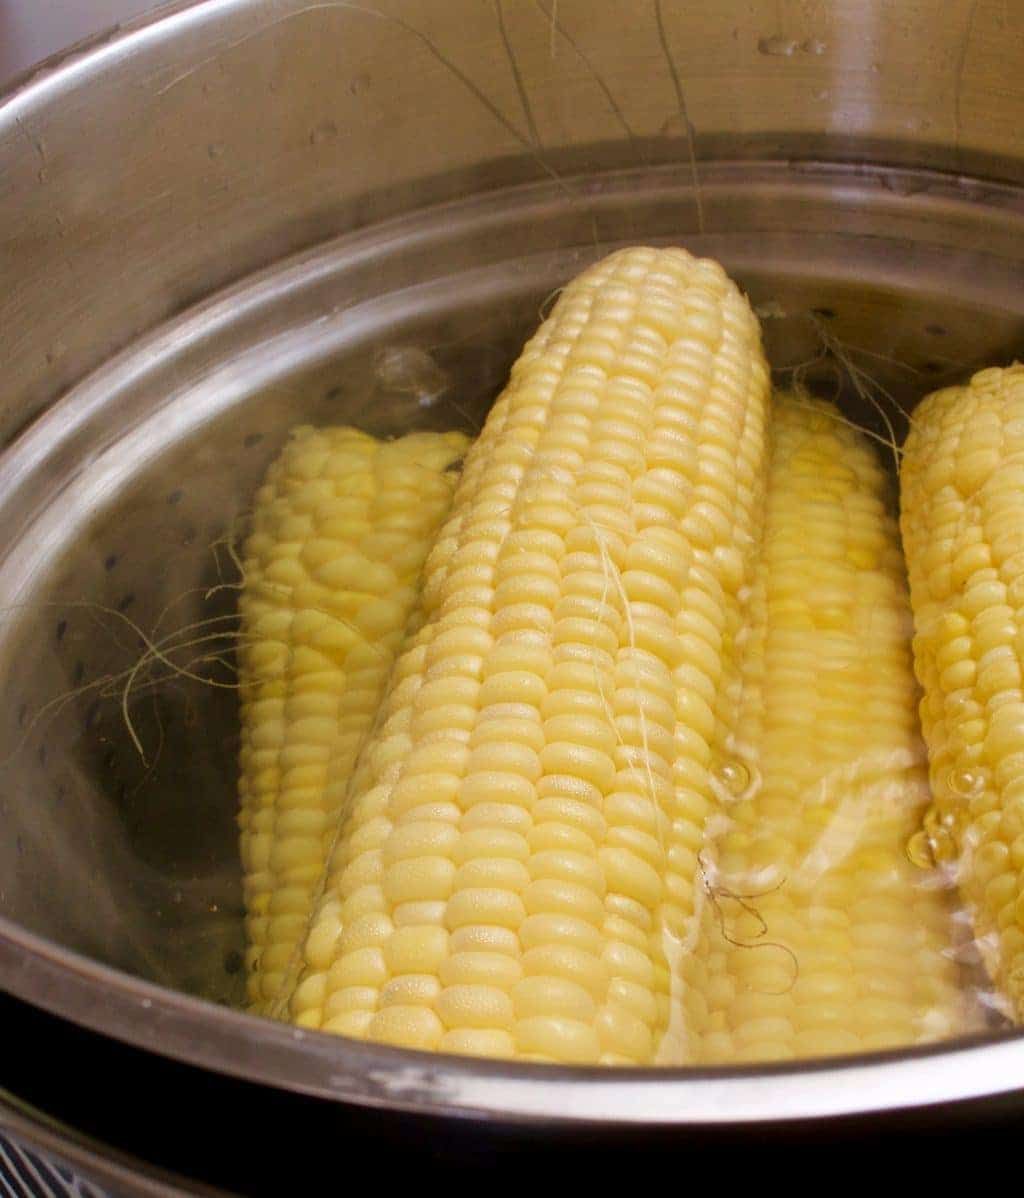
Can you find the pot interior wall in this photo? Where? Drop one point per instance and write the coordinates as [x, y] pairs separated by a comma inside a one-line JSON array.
[[119, 734]]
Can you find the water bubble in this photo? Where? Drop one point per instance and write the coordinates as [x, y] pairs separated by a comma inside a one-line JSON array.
[[967, 783], [919, 850], [411, 371], [813, 46], [736, 776], [936, 843], [735, 779]]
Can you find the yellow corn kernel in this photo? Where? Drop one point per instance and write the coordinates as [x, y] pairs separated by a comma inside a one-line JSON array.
[[961, 467], [328, 591], [818, 929], [579, 619]]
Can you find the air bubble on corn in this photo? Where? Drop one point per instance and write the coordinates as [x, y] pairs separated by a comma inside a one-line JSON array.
[[340, 531], [962, 492], [822, 937], [523, 830]]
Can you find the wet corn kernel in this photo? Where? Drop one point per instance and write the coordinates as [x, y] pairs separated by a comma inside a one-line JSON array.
[[818, 930], [329, 586], [961, 471], [565, 696]]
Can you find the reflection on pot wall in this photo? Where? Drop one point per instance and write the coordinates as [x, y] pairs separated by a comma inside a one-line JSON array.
[[127, 197], [31, 30]]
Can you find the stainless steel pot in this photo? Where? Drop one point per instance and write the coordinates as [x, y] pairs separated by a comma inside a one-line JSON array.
[[239, 213]]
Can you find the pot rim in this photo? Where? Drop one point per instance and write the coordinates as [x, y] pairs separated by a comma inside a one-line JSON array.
[[233, 1043], [91, 51], [258, 1050]]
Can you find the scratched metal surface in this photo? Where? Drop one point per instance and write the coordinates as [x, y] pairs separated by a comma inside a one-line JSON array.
[[31, 30], [271, 126]]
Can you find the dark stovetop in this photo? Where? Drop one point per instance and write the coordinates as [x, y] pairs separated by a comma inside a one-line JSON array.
[[246, 1139], [25, 1173]]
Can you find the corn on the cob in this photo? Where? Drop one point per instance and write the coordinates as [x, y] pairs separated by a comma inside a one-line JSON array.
[[524, 830], [820, 937], [962, 482], [340, 532]]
